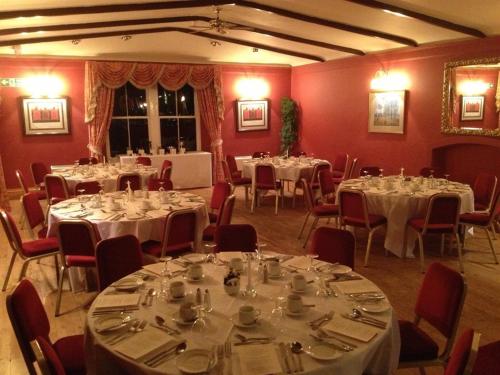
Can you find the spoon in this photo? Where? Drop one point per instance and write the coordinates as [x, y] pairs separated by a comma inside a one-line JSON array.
[[357, 314], [161, 322], [163, 356], [297, 348], [246, 339]]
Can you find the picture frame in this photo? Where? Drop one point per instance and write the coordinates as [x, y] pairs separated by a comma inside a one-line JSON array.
[[387, 111], [45, 116], [252, 115], [472, 107]]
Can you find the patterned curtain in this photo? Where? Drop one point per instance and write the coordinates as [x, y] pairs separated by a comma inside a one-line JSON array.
[[102, 78], [4, 201]]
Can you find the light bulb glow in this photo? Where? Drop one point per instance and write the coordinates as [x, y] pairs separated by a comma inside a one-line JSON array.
[[252, 88], [44, 86], [389, 81], [473, 87]]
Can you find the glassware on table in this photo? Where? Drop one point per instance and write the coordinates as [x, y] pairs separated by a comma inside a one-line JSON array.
[[200, 324], [250, 290], [381, 172], [211, 257], [80, 195], [278, 311], [165, 277], [311, 258]]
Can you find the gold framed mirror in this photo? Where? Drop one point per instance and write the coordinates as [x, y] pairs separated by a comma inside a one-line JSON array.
[[471, 97]]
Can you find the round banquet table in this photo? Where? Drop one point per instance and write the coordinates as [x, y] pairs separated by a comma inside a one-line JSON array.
[[107, 174], [130, 218], [379, 355], [399, 204]]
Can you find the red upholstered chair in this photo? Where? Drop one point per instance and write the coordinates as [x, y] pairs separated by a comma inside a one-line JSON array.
[[236, 181], [353, 211], [166, 170], [333, 245], [154, 184], [179, 235], [369, 171], [235, 237], [117, 257], [439, 303], [34, 214], [233, 167], [339, 167], [28, 250], [40, 194], [134, 178], [46, 357], [326, 186], [487, 359], [77, 240], [143, 160], [314, 182], [56, 188], [441, 218], [265, 180], [464, 354], [317, 211], [88, 187], [484, 191], [220, 192], [260, 154], [483, 220], [224, 218], [38, 172], [29, 320]]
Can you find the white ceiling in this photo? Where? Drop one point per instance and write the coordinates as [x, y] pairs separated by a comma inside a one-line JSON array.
[[174, 46]]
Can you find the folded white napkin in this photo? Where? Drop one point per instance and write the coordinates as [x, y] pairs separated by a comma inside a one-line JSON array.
[[357, 286], [110, 301], [145, 344], [300, 262], [258, 359], [349, 328]]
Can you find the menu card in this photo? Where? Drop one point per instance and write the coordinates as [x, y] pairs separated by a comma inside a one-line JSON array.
[[357, 287], [349, 328], [118, 301], [149, 341], [258, 359]]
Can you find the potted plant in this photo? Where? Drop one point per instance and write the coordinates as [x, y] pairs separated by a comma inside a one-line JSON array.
[[289, 131]]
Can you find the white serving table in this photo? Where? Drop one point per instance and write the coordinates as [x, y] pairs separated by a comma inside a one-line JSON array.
[[189, 170]]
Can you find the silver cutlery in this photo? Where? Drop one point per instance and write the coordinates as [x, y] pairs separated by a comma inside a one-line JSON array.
[[328, 335], [127, 333], [228, 352], [341, 347], [163, 356], [220, 358], [364, 321], [282, 348], [147, 297], [161, 322], [243, 338], [297, 348], [358, 314], [319, 322]]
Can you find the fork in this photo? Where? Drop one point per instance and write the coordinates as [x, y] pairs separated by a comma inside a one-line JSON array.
[[228, 352], [220, 358], [121, 336]]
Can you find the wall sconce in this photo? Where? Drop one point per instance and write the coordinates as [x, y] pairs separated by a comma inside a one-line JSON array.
[[389, 81], [44, 86], [252, 88], [473, 87]]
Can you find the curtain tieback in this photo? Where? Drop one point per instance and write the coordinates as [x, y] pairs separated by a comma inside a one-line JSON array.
[[217, 142]]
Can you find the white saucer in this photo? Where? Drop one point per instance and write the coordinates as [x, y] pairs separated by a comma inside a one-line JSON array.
[[111, 323], [128, 284], [177, 299], [192, 280], [194, 257], [298, 291], [378, 307], [340, 269], [196, 361], [323, 352], [236, 321], [298, 313], [177, 318], [278, 276]]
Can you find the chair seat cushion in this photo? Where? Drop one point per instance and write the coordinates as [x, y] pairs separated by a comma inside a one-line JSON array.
[[488, 359], [416, 345], [475, 218], [242, 181], [209, 233], [326, 210], [276, 186], [80, 261], [154, 248], [373, 221], [40, 246], [212, 217], [418, 225], [71, 353], [480, 207]]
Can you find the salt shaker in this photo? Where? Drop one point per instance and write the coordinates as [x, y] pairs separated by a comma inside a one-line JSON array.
[[207, 303]]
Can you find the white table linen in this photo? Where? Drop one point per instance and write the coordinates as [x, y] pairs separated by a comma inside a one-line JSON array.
[[378, 356], [291, 169], [398, 204]]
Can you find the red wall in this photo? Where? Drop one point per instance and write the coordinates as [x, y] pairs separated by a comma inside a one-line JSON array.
[[333, 102], [18, 150]]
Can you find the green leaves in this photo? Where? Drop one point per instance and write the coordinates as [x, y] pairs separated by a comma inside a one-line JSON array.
[[289, 129]]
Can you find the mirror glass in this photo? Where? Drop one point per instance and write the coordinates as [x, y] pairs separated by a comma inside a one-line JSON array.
[[471, 97]]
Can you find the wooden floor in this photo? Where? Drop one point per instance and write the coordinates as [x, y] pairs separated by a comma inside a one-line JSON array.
[[398, 278]]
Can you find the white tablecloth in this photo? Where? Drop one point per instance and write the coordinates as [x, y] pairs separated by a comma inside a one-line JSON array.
[[189, 170], [399, 205], [378, 356], [292, 169]]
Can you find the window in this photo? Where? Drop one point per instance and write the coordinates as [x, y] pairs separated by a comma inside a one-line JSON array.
[[140, 121]]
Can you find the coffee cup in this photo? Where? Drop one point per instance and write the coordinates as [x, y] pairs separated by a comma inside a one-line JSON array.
[[195, 271], [186, 312], [274, 268], [145, 204], [236, 264], [294, 303], [299, 282], [248, 314], [177, 289]]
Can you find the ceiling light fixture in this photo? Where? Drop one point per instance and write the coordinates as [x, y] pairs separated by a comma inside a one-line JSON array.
[[126, 37], [214, 43], [76, 41], [255, 49]]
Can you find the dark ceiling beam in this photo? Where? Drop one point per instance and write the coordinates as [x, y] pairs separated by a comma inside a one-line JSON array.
[[149, 21], [48, 12], [421, 17], [60, 38]]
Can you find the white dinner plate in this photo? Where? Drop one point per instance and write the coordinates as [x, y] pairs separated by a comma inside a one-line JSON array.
[[377, 307], [194, 257], [128, 284], [323, 352], [236, 321], [177, 318], [194, 280], [196, 361], [340, 269], [111, 323]]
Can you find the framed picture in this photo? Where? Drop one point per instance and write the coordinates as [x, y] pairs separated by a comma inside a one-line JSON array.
[[252, 115], [387, 112], [472, 107], [45, 116]]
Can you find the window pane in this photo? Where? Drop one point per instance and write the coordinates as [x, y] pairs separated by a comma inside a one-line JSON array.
[[185, 101], [166, 102], [136, 100], [139, 137], [187, 132], [120, 100], [118, 137], [169, 135]]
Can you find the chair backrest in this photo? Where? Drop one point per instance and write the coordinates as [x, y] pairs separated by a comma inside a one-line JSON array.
[[226, 211], [321, 166], [76, 237], [484, 188], [487, 360], [340, 164], [56, 187], [88, 187], [143, 160], [265, 175], [353, 206], [443, 209], [28, 318], [117, 257], [231, 162], [134, 178], [228, 177], [180, 230], [38, 172], [33, 210], [308, 194], [11, 231], [369, 171], [166, 170], [235, 237], [260, 154], [333, 245], [220, 192], [464, 354], [46, 357], [352, 168], [22, 181], [326, 182], [154, 184], [440, 301]]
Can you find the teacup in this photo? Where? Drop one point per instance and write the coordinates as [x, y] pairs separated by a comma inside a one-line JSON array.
[[177, 289], [163, 198], [236, 264], [299, 282], [294, 303], [145, 204], [274, 268], [115, 205], [248, 314], [195, 271], [186, 312]]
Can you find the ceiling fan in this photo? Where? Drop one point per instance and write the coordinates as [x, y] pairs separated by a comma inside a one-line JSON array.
[[218, 25]]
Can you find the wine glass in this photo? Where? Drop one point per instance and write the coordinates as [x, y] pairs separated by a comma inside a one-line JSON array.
[[210, 253], [200, 324], [80, 194], [278, 312], [311, 258]]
